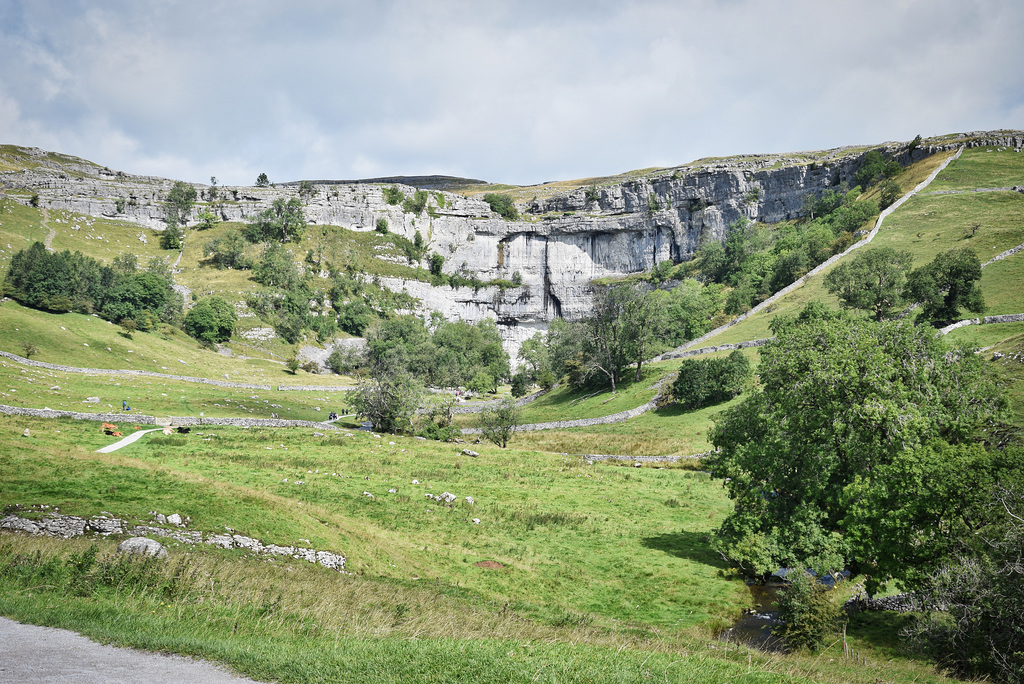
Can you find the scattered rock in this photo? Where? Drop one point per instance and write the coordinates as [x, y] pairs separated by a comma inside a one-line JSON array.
[[26, 433], [91, 400], [476, 521], [470, 453], [143, 546], [470, 500], [174, 519]]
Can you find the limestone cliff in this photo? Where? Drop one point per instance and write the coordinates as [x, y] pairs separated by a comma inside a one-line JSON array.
[[559, 246]]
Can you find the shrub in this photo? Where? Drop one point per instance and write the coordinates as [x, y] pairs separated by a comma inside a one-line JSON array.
[[393, 195], [502, 204], [707, 382], [499, 424], [415, 204], [211, 320], [382, 225], [811, 615]]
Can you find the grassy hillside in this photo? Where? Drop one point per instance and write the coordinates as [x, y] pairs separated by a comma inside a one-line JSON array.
[[574, 572]]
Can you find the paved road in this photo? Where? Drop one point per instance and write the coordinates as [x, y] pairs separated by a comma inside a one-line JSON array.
[[44, 654]]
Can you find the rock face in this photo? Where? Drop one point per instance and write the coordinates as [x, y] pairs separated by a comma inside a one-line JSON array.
[[561, 244]]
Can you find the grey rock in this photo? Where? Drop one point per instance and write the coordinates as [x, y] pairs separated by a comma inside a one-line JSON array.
[[26, 433], [91, 400], [470, 453], [143, 546], [174, 519]]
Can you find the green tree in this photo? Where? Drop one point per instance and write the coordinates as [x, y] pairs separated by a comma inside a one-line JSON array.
[[980, 633], [262, 181], [393, 195], [926, 508], [277, 269], [284, 221], [436, 265], [706, 382], [211, 320], [889, 191], [502, 204], [172, 237], [179, 203], [388, 398], [871, 168], [946, 285], [520, 384], [498, 424], [839, 398], [228, 251], [874, 281], [381, 225], [207, 219]]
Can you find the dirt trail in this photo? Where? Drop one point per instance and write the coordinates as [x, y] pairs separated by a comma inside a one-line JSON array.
[[52, 233]]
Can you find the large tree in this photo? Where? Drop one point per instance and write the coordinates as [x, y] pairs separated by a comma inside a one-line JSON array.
[[947, 284], [839, 400], [873, 281]]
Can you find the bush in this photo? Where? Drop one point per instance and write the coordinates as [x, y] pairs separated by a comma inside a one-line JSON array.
[[708, 382], [381, 226], [811, 615], [502, 204], [393, 195], [415, 204], [499, 424]]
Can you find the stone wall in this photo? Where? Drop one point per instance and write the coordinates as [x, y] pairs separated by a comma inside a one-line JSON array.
[[140, 419]]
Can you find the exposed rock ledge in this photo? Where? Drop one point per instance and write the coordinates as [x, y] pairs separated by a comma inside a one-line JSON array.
[[68, 526]]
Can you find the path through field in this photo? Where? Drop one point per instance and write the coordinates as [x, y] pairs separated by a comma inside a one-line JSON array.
[[45, 654]]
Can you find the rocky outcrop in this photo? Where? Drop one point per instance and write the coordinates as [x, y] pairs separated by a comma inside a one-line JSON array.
[[559, 247]]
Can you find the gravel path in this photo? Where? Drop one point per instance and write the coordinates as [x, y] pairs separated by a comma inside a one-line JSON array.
[[44, 654]]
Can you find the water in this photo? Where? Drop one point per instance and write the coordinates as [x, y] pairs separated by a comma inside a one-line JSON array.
[[754, 628]]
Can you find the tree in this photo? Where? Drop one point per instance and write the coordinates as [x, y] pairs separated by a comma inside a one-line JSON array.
[[980, 633], [839, 399], [436, 265], [381, 225], [228, 251], [393, 195], [207, 219], [870, 169], [520, 384], [889, 191], [927, 507], [946, 285], [809, 613], [282, 222], [873, 281], [211, 320], [706, 382], [179, 203], [172, 237], [498, 424], [262, 181], [388, 398], [277, 269], [28, 349]]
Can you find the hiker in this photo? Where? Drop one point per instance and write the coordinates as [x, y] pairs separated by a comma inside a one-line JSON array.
[[125, 406]]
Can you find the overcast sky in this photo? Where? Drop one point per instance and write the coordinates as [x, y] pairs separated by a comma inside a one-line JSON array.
[[520, 92]]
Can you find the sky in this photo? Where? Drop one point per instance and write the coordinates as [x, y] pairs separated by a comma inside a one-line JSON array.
[[516, 92]]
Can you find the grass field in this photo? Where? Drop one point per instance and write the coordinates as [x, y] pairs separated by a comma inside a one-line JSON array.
[[605, 571]]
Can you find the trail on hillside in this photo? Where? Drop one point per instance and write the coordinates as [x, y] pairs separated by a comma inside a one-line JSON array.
[[51, 233], [822, 266]]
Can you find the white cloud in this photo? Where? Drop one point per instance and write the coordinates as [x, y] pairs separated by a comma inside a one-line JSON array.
[[507, 91]]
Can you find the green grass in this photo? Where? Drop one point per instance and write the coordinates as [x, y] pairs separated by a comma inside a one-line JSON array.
[[90, 342], [602, 579], [982, 167]]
